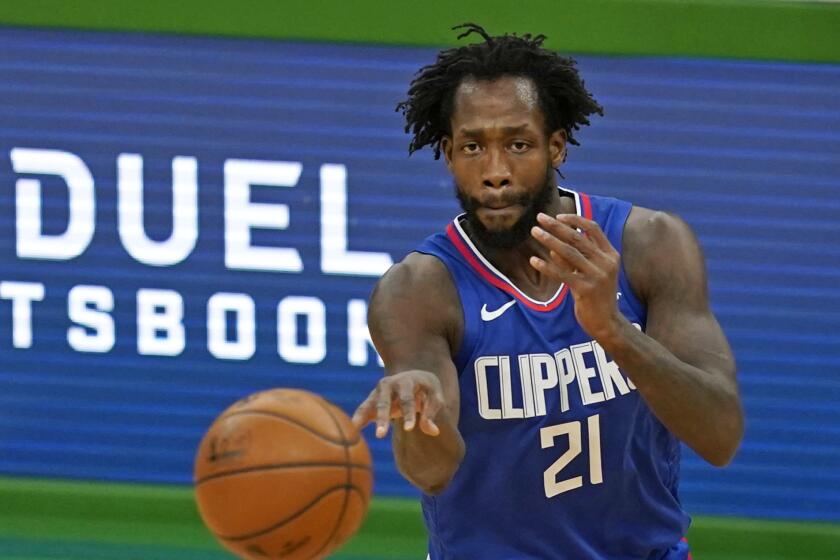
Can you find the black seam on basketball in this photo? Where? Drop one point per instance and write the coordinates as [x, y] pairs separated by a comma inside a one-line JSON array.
[[292, 517], [279, 466], [357, 490], [347, 483], [342, 441]]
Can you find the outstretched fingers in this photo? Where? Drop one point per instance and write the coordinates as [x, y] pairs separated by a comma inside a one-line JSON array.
[[401, 397], [375, 408]]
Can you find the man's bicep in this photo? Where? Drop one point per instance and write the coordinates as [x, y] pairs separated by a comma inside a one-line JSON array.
[[679, 316], [693, 336]]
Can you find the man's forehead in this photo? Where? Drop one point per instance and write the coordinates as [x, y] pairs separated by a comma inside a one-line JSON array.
[[513, 88]]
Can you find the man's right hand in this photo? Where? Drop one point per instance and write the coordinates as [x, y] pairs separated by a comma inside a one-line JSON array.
[[404, 395]]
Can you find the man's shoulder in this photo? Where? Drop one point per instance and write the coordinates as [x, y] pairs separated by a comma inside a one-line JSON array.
[[658, 246], [418, 294], [646, 227], [417, 271], [420, 278]]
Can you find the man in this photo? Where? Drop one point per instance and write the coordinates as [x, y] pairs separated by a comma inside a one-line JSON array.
[[545, 355]]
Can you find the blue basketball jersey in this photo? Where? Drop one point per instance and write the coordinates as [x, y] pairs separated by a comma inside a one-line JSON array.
[[564, 460]]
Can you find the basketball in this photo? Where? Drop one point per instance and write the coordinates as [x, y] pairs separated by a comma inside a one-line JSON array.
[[283, 474]]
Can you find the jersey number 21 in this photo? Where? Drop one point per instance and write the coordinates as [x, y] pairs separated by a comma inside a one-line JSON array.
[[553, 486]]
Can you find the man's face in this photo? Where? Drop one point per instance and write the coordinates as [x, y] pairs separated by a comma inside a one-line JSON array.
[[501, 158]]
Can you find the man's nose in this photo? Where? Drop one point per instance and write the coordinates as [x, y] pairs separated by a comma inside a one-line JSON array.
[[496, 172]]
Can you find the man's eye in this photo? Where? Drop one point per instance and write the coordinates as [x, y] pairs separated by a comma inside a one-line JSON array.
[[519, 146], [470, 148]]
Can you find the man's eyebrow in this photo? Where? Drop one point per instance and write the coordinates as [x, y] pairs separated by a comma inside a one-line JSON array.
[[476, 132]]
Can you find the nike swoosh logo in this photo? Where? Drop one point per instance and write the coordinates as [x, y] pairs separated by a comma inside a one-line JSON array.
[[487, 315]]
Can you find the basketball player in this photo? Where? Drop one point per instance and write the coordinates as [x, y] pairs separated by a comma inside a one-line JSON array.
[[545, 354]]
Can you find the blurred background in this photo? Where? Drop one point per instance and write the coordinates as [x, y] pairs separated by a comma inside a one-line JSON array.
[[197, 197]]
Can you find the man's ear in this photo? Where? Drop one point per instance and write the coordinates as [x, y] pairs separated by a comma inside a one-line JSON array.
[[446, 148], [557, 147]]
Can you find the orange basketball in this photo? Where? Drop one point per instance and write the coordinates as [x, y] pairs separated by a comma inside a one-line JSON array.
[[283, 474]]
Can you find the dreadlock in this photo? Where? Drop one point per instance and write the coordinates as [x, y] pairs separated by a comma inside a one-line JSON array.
[[563, 99]]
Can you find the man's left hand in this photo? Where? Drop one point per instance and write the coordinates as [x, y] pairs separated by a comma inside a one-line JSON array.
[[581, 256]]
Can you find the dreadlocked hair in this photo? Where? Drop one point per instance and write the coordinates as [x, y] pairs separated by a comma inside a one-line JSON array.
[[563, 99]]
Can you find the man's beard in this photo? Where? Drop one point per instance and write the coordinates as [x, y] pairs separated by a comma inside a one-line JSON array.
[[519, 231]]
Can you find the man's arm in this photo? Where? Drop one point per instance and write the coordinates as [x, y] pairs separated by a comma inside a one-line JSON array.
[[682, 365], [415, 322]]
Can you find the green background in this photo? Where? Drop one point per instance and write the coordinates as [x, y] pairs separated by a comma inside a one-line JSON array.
[[804, 31], [86, 521], [54, 520], [62, 520]]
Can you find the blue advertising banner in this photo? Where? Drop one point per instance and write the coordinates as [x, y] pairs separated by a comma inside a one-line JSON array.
[[184, 221]]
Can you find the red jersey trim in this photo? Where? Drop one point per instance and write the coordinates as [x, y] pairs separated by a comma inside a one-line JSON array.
[[587, 205]]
